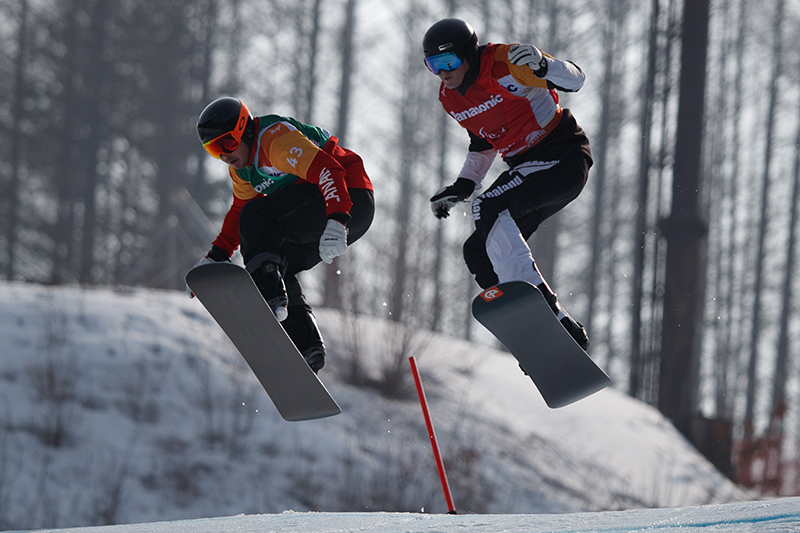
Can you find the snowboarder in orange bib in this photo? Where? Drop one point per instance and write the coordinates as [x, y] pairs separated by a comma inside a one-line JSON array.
[[298, 198]]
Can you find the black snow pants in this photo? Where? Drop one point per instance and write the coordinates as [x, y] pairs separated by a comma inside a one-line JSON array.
[[539, 183], [289, 224]]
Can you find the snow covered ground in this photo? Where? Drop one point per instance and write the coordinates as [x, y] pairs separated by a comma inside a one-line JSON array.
[[776, 516], [125, 407]]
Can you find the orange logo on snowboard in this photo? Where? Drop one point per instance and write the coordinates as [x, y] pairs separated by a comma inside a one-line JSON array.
[[491, 294]]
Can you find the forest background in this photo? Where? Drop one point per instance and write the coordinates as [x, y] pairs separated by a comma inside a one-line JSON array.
[[678, 256]]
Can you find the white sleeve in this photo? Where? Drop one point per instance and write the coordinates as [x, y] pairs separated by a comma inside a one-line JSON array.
[[564, 74], [477, 165]]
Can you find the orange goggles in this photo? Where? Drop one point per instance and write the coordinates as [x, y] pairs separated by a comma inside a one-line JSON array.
[[224, 144], [228, 142]]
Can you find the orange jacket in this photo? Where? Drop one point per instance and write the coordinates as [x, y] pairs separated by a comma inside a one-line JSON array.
[[287, 152]]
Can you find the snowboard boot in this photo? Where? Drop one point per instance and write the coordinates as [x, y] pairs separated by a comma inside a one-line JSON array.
[[301, 326], [267, 276], [576, 330], [573, 327]]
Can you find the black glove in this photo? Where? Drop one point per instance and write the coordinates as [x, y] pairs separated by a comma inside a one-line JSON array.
[[215, 255], [218, 255], [447, 197]]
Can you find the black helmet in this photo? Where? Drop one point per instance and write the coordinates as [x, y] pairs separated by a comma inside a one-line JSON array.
[[226, 115], [450, 35]]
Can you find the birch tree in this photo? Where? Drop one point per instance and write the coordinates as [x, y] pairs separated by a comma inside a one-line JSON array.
[[758, 268]]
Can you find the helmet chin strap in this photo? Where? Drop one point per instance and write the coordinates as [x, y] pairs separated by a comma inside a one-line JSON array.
[[249, 139], [249, 134]]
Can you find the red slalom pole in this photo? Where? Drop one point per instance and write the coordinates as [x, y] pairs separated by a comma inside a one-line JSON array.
[[432, 434]]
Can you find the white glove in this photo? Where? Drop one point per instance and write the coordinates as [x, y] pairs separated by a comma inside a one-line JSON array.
[[204, 261], [527, 54], [333, 242]]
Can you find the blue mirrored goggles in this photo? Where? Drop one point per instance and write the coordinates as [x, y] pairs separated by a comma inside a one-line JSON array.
[[446, 61]]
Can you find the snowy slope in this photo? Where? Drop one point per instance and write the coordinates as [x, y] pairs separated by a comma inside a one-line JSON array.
[[132, 407], [776, 516]]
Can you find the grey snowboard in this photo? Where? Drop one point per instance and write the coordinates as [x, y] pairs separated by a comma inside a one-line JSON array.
[[227, 291], [518, 315]]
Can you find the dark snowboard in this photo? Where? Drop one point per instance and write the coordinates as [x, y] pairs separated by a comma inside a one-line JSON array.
[[518, 315], [227, 291]]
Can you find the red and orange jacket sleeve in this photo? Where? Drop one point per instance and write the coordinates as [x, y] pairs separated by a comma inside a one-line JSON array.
[[228, 238]]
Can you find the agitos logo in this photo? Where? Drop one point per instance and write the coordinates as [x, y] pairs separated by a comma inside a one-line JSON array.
[[491, 294]]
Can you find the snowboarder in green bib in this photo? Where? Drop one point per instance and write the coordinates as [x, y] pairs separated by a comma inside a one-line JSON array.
[[298, 198], [505, 96]]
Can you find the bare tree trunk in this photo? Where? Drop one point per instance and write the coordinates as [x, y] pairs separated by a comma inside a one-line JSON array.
[[209, 21], [713, 437], [17, 109], [403, 214], [787, 299], [685, 230], [332, 297], [305, 63], [65, 245], [718, 198], [316, 30], [439, 241], [733, 301], [782, 365], [348, 69], [404, 284], [543, 242], [636, 377], [169, 32], [607, 133], [96, 79], [206, 44], [657, 245], [439, 246], [752, 370]]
